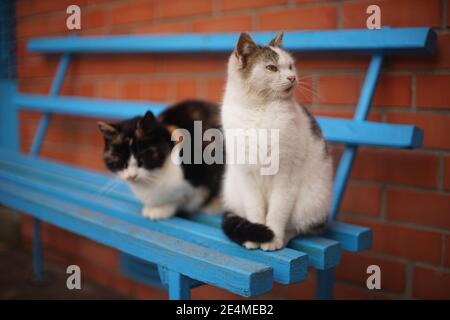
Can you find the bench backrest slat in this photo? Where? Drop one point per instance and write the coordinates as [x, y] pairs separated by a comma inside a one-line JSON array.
[[385, 41]]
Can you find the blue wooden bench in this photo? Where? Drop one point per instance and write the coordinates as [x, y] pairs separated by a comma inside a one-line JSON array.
[[185, 253]]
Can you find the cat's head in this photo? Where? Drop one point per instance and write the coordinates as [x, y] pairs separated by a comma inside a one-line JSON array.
[[267, 71], [135, 147]]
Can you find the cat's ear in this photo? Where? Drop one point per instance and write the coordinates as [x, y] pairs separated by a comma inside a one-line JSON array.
[[277, 41], [145, 123], [108, 131], [244, 48]]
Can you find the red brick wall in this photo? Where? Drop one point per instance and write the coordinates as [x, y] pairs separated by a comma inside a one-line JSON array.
[[404, 196]]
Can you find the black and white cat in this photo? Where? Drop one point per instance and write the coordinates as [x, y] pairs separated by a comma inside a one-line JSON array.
[[266, 211], [139, 150]]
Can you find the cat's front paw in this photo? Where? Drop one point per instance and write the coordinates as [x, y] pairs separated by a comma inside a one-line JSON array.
[[251, 245], [158, 213], [276, 244]]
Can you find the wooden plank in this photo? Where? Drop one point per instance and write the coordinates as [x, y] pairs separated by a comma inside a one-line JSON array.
[[289, 266], [368, 133], [234, 274], [87, 107], [335, 130], [386, 41], [353, 238], [349, 238]]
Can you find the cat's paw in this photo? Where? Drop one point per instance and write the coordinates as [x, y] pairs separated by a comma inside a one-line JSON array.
[[251, 245], [158, 213], [276, 244]]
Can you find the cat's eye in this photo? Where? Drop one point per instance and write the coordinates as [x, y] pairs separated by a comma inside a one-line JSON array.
[[290, 67], [272, 68]]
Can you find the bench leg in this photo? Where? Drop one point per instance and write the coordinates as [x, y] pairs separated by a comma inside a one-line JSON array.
[[325, 284], [37, 251], [179, 286]]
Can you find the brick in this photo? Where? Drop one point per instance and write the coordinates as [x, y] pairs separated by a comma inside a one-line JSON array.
[[109, 89], [56, 24], [393, 90], [193, 64], [348, 292], [144, 292], [424, 208], [132, 90], [342, 89], [441, 59], [400, 167], [447, 251], [399, 13], [208, 292], [447, 173], [215, 89], [154, 90], [432, 91], [373, 116], [133, 12], [81, 156], [227, 5], [405, 242], [323, 62], [431, 284], [223, 24], [448, 15], [33, 8], [186, 89], [353, 268], [435, 126], [65, 132], [162, 28], [114, 64], [305, 92], [92, 19], [304, 290], [179, 8], [43, 87], [37, 66], [316, 18], [362, 199], [75, 87]]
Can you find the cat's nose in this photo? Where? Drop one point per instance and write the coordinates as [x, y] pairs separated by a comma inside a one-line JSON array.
[[132, 177], [291, 78]]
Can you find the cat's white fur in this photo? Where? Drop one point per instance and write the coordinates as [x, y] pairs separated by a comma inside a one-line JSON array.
[[162, 190], [298, 196]]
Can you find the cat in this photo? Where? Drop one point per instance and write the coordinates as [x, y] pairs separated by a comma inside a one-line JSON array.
[[138, 150], [266, 211]]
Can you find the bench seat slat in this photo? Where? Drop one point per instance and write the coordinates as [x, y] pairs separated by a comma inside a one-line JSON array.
[[386, 41], [290, 266], [322, 253], [335, 130], [84, 179], [234, 274], [352, 238]]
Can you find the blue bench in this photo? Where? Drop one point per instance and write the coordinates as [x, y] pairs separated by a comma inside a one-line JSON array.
[[182, 253]]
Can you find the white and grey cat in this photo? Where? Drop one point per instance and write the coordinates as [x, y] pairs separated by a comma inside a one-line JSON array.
[[266, 211]]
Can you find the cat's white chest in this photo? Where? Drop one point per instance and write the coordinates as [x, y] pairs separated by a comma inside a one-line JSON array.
[[168, 186]]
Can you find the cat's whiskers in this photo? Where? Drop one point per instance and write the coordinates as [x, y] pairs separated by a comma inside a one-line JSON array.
[[303, 86]]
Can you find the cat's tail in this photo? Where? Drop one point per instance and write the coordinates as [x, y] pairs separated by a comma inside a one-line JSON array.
[[241, 230]]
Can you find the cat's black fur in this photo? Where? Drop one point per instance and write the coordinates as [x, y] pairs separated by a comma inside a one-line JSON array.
[[148, 139]]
